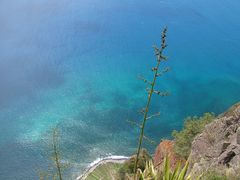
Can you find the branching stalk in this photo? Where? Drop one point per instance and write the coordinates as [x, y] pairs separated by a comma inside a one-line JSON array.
[[160, 57], [56, 154]]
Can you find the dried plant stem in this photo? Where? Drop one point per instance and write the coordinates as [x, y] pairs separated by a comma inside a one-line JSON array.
[[150, 93], [56, 153]]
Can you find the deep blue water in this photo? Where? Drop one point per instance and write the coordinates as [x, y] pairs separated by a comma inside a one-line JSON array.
[[74, 64]]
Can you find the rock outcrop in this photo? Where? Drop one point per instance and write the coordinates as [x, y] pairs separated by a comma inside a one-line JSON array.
[[165, 148], [218, 146]]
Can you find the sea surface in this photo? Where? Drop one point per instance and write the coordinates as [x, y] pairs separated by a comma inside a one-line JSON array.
[[73, 64]]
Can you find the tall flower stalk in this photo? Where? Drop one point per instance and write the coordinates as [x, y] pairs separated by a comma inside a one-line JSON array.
[[151, 91]]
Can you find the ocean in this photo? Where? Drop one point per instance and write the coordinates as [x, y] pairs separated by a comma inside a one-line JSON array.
[[73, 64]]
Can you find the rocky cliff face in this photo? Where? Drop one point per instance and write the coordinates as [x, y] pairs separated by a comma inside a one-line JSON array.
[[165, 148], [218, 146]]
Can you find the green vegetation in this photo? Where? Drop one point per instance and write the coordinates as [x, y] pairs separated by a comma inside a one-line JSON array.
[[192, 127], [127, 169], [151, 91], [212, 175], [150, 173], [177, 174], [221, 173], [107, 171]]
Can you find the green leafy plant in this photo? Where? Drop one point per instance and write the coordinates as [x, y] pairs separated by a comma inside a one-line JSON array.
[[150, 173], [151, 91], [192, 127], [177, 174], [127, 168]]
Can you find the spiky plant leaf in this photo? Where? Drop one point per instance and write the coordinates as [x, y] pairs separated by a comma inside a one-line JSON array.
[[176, 171], [183, 171]]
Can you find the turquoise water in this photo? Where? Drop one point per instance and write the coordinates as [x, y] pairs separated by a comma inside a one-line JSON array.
[[74, 64]]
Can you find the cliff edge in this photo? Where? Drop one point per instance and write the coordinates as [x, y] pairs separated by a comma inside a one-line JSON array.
[[218, 146]]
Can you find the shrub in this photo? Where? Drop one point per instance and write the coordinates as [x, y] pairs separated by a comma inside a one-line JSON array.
[[192, 126], [128, 166], [221, 173]]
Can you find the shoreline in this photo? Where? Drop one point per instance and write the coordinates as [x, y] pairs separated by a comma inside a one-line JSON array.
[[98, 162]]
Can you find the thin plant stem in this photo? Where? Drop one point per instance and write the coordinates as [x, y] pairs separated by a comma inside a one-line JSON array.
[[56, 154], [150, 93]]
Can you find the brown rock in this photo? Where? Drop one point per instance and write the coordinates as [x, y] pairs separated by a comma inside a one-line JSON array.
[[218, 145], [238, 135], [165, 148]]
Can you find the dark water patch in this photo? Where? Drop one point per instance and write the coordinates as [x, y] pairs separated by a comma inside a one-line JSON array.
[[92, 98], [15, 155], [190, 99], [114, 119], [120, 99], [207, 93], [25, 80], [138, 87]]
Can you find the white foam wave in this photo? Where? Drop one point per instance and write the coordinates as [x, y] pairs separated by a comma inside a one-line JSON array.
[[98, 161]]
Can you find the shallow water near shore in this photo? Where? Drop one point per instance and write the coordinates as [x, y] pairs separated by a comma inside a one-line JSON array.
[[74, 65]]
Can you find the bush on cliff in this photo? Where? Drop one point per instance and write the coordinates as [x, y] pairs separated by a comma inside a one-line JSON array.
[[192, 126], [128, 166]]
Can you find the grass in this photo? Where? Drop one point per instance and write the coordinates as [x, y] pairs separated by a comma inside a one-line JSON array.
[[107, 171]]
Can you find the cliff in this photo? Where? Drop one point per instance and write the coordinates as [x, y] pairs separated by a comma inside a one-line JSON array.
[[165, 148], [217, 148]]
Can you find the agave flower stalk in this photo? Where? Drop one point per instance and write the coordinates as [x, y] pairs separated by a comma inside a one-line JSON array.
[[151, 91]]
